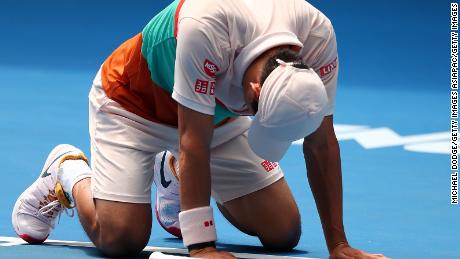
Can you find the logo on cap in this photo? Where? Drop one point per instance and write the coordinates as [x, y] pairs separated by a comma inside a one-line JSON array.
[[210, 68]]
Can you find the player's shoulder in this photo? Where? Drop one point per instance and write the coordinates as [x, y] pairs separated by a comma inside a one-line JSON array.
[[202, 9], [208, 17]]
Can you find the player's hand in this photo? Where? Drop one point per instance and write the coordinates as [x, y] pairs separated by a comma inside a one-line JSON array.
[[211, 252], [344, 251]]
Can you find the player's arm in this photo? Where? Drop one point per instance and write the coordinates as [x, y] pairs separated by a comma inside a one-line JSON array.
[[195, 133], [322, 157], [197, 62]]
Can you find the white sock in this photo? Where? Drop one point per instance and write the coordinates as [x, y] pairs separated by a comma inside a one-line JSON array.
[[71, 172]]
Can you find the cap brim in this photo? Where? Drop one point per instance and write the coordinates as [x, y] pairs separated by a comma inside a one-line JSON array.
[[264, 145]]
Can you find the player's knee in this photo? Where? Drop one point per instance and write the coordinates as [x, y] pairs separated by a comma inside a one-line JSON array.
[[282, 241], [282, 237], [122, 229], [122, 241]]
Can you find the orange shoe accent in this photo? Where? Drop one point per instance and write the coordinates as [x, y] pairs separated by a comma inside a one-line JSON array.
[[59, 191], [73, 157], [171, 162], [61, 196]]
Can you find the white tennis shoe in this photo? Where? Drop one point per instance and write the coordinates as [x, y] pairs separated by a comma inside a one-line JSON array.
[[167, 195], [39, 206]]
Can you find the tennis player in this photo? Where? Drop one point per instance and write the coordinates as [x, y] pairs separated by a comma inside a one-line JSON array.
[[186, 84]]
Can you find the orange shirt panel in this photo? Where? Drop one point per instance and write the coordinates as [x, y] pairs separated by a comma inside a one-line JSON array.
[[126, 79]]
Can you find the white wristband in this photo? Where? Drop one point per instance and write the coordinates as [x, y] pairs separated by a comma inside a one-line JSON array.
[[197, 226]]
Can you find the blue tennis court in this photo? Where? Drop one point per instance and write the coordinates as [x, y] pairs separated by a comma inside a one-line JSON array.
[[392, 120]]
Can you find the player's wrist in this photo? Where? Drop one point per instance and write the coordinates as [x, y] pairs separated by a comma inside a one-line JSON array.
[[198, 230], [338, 246], [335, 236]]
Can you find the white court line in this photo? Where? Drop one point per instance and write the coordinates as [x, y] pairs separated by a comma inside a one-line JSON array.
[[14, 241]]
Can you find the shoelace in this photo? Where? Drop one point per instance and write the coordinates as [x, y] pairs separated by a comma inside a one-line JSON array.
[[56, 207]]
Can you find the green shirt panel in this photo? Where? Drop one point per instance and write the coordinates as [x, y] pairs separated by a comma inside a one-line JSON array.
[[159, 50]]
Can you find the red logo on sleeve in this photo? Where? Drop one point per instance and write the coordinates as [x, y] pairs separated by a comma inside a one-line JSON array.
[[210, 68], [201, 86], [328, 68], [212, 88], [268, 166]]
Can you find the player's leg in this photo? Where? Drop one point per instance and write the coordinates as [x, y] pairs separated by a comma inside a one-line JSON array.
[[277, 226], [114, 204], [119, 219], [281, 230], [253, 195], [116, 228], [248, 188]]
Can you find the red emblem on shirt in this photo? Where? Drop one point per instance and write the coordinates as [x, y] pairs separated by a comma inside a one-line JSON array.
[[328, 68], [201, 86], [210, 68], [268, 166]]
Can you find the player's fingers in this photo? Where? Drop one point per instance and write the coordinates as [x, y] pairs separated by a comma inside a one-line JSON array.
[[381, 256], [341, 256], [159, 255], [227, 255], [365, 255], [217, 255]]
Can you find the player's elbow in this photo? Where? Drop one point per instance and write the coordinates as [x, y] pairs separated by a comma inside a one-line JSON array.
[[320, 142]]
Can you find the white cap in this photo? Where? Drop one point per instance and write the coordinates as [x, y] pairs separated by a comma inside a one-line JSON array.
[[256, 48], [292, 105]]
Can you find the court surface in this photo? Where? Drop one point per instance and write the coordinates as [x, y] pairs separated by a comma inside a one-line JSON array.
[[392, 120]]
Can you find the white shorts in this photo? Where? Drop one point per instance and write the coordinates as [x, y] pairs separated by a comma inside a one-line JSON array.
[[124, 145]]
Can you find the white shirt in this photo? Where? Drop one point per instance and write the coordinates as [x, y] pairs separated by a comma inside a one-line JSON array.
[[218, 39]]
